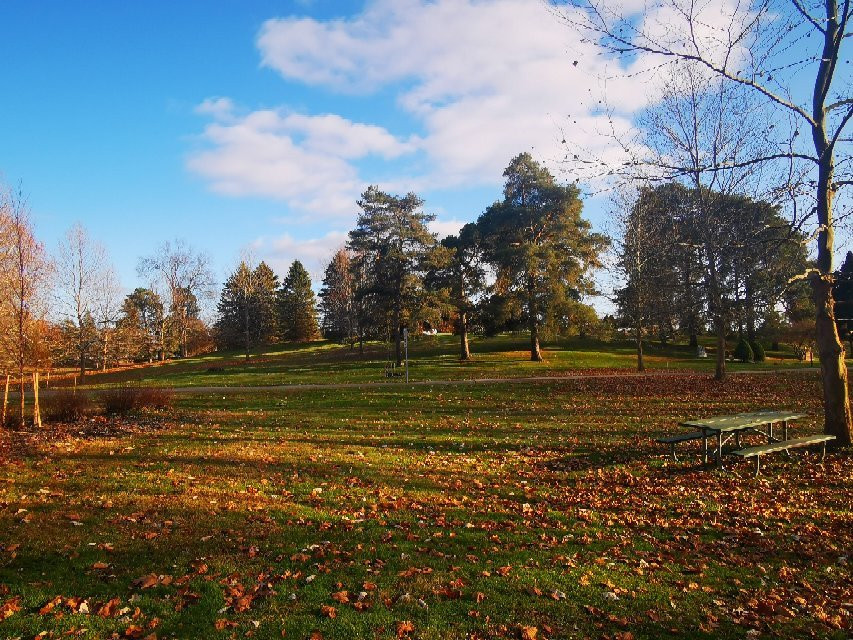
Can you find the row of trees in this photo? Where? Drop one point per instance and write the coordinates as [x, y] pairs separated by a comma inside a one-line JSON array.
[[688, 266], [69, 309], [255, 310], [527, 261]]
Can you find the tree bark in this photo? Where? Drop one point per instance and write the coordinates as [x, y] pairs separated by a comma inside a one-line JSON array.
[[5, 401], [23, 405], [833, 369], [836, 401], [465, 353], [533, 322], [103, 354], [720, 368], [638, 336], [398, 338], [36, 410]]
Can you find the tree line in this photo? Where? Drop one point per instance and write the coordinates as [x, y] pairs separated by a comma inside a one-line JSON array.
[[527, 261], [691, 261]]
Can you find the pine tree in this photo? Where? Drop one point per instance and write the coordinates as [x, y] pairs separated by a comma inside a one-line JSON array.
[[297, 307], [391, 242], [336, 299], [247, 308], [541, 248]]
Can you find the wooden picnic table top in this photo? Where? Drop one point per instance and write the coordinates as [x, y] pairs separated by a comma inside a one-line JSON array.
[[742, 421]]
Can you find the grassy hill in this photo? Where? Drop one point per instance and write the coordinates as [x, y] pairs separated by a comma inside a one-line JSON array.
[[430, 358]]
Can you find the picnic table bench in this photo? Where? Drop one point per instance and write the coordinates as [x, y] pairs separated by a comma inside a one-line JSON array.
[[725, 428]]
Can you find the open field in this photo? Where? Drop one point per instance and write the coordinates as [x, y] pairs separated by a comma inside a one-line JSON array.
[[507, 511], [431, 358]]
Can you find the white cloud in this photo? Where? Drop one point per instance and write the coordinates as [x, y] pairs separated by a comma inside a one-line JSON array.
[[444, 228], [302, 159], [314, 253], [482, 80]]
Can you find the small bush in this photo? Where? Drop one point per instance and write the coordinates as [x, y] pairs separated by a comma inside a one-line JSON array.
[[743, 351], [123, 400], [155, 398], [65, 405], [120, 400], [757, 351]]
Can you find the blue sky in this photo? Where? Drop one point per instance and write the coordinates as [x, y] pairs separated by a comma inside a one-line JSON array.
[[254, 125], [102, 123]]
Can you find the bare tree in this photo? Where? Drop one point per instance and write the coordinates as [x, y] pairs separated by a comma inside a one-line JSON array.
[[186, 276], [766, 47], [87, 291], [107, 310], [25, 280]]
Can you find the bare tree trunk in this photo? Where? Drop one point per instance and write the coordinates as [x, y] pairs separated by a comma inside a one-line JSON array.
[[533, 322], [638, 336], [246, 328], [398, 337], [36, 410], [836, 401], [465, 353], [720, 368], [5, 401], [23, 405], [103, 355], [535, 351]]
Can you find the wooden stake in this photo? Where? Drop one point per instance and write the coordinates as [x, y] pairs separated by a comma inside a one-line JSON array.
[[36, 412], [5, 400]]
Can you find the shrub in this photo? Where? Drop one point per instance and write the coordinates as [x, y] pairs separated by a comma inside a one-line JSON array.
[[122, 400], [65, 405], [155, 398], [743, 351], [757, 351]]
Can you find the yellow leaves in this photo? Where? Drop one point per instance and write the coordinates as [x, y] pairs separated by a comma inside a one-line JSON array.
[[528, 633]]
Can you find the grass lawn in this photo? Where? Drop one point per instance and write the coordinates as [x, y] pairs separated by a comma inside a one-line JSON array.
[[503, 511], [431, 358]]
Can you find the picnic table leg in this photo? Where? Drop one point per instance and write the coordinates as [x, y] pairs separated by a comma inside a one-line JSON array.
[[704, 447], [785, 437], [770, 433], [737, 439], [719, 449]]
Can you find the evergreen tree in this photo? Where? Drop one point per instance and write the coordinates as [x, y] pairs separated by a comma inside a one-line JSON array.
[[458, 271], [297, 307], [842, 293], [539, 245], [265, 304], [336, 299], [391, 243], [247, 308], [142, 326]]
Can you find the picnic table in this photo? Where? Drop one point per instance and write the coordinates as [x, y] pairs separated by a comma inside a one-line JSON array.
[[726, 428]]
